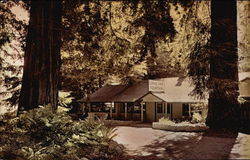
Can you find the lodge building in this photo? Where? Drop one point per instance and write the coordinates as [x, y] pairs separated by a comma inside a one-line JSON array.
[[145, 101], [149, 100]]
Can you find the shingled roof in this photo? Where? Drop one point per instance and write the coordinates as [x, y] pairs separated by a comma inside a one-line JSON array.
[[177, 90], [105, 94], [133, 93], [119, 93]]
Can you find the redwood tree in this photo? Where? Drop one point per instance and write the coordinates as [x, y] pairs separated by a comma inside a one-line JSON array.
[[42, 55], [223, 105]]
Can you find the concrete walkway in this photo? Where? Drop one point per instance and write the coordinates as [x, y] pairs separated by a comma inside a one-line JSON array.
[[147, 143]]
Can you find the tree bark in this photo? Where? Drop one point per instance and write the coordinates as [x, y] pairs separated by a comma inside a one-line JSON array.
[[223, 104], [42, 56]]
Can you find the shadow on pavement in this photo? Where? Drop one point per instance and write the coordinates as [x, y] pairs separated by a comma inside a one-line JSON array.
[[212, 144]]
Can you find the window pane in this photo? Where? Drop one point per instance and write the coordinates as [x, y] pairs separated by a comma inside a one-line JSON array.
[[99, 107], [185, 109], [122, 109], [169, 108], [159, 108]]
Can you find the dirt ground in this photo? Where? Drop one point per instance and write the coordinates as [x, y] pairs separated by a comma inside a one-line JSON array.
[[147, 143]]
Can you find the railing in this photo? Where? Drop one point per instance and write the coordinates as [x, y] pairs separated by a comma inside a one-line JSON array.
[[97, 115]]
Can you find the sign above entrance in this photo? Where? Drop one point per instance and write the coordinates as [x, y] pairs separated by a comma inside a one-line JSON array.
[[156, 85]]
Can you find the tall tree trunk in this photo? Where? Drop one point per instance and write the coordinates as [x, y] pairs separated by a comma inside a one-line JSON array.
[[223, 104], [42, 55]]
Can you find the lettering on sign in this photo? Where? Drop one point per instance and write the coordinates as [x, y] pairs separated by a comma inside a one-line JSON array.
[[156, 85]]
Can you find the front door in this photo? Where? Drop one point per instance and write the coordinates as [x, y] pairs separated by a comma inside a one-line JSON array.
[[169, 110], [159, 110], [150, 111]]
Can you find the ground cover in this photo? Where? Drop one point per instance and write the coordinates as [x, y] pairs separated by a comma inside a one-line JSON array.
[[40, 134]]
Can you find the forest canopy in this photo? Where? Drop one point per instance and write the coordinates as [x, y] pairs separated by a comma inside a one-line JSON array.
[[118, 42]]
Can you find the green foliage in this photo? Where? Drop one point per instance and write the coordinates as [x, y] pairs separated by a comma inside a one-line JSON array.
[[198, 118], [166, 121], [158, 25], [105, 39], [12, 35], [64, 98], [93, 47], [42, 134], [198, 69], [198, 43]]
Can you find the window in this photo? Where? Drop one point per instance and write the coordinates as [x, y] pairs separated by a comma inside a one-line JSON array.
[[122, 108], [99, 107], [109, 105], [159, 108], [169, 106], [137, 107], [185, 109], [130, 106]]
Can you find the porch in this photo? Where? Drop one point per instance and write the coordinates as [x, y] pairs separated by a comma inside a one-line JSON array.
[[145, 101], [124, 111], [138, 111]]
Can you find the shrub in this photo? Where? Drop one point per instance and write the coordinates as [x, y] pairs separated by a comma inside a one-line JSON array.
[[64, 98], [41, 134], [186, 126], [167, 121], [198, 118]]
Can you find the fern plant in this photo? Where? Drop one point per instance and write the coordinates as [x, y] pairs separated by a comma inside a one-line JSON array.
[[42, 134]]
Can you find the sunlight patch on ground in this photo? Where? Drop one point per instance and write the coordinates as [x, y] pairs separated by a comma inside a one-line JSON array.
[[148, 142], [241, 148], [137, 140]]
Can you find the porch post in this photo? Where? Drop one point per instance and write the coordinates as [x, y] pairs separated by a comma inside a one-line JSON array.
[[171, 111], [111, 109], [126, 110], [142, 119], [89, 106], [189, 110], [165, 109], [133, 109]]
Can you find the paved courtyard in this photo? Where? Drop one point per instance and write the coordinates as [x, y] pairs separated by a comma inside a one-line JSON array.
[[148, 143]]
